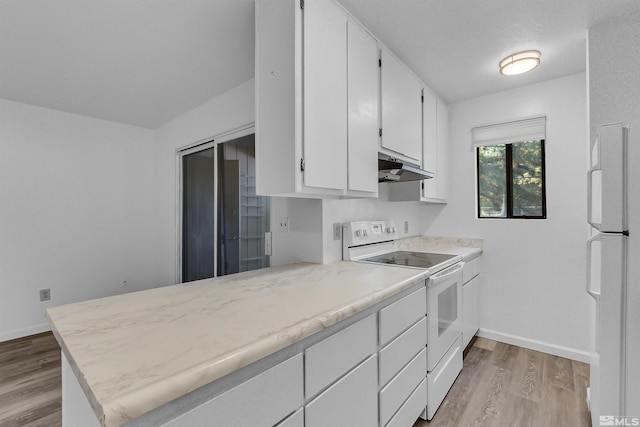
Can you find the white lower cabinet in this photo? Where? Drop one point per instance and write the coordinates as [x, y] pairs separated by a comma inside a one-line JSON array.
[[351, 402], [470, 300], [336, 355], [264, 400], [401, 350], [409, 412], [394, 394]]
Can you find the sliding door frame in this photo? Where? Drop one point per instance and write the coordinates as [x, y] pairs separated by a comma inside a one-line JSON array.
[[195, 147]]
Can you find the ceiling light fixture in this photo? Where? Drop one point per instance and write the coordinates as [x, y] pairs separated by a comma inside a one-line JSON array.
[[520, 62]]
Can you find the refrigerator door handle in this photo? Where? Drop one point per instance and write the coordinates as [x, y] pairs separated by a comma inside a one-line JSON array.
[[590, 220], [590, 241]]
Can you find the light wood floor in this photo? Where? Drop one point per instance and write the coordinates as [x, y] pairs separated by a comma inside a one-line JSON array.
[[500, 385], [30, 382], [504, 385]]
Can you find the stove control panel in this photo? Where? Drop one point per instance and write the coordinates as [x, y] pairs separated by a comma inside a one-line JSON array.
[[366, 232]]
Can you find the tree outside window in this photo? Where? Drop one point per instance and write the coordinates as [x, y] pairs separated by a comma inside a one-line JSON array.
[[511, 180]]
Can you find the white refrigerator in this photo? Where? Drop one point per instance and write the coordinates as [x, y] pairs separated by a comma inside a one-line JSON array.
[[608, 273]]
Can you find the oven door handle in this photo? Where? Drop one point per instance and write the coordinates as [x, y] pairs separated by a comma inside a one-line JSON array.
[[445, 274]]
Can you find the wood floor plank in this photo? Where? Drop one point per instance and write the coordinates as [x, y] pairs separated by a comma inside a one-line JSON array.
[[520, 412], [581, 382], [559, 405], [558, 371], [485, 343], [529, 369]]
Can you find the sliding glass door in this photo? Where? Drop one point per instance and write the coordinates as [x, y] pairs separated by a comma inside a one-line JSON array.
[[223, 222]]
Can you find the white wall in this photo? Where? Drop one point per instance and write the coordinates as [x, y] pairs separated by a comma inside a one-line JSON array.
[[76, 212], [533, 292], [614, 67]]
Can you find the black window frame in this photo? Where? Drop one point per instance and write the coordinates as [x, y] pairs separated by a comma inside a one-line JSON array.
[[509, 183]]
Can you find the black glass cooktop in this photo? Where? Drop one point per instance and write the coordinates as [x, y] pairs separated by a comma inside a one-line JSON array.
[[410, 259]]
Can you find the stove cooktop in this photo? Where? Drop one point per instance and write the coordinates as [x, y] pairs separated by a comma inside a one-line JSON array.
[[410, 259]]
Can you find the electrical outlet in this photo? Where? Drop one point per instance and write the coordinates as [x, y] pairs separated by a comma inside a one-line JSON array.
[[337, 231], [45, 294], [406, 227], [284, 224]]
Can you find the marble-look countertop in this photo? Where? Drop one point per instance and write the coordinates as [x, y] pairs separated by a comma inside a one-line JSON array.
[[468, 249], [135, 352]]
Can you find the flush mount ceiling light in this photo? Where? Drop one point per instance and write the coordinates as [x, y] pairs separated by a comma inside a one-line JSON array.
[[520, 62]]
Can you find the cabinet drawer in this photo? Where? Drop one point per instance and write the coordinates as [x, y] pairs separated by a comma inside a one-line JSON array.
[[262, 400], [393, 395], [412, 408], [401, 350], [294, 420], [333, 357], [352, 401], [467, 271], [403, 313]]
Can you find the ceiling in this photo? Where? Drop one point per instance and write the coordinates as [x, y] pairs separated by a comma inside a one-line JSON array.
[[144, 62]]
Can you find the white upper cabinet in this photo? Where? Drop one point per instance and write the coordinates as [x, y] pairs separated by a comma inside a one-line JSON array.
[[442, 153], [429, 143], [363, 100], [325, 95], [316, 101], [401, 94], [435, 132]]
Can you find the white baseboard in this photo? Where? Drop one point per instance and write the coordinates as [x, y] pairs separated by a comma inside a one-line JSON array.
[[556, 350], [24, 332]]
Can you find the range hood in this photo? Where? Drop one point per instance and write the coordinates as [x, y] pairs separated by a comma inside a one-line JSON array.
[[394, 170]]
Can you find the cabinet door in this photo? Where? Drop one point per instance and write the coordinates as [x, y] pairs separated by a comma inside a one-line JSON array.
[[352, 401], [325, 95], [401, 109], [468, 315], [362, 58], [443, 150], [430, 144]]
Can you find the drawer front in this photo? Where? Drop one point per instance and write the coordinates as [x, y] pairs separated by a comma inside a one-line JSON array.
[[403, 313], [263, 400], [401, 350], [394, 394], [467, 270], [442, 377], [294, 420], [412, 408], [350, 402], [333, 357]]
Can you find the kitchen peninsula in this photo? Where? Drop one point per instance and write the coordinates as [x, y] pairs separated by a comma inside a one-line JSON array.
[[151, 356]]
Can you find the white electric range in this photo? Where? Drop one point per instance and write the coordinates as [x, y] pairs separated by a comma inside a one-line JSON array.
[[376, 242]]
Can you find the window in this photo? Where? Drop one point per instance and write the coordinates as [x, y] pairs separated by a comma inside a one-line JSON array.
[[511, 180]]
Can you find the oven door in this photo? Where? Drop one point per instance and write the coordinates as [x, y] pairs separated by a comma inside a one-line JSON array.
[[444, 311]]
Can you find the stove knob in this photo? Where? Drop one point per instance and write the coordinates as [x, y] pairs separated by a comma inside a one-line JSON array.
[[359, 233], [365, 233], [389, 230], [393, 229]]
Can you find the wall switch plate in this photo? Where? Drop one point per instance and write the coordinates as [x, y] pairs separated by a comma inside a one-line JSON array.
[[45, 294], [267, 243], [337, 231], [284, 224], [406, 227]]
